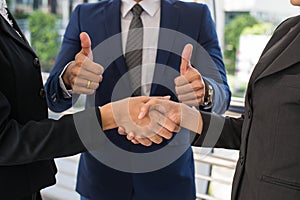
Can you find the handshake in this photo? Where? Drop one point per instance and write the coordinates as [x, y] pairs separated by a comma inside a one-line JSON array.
[[147, 120]]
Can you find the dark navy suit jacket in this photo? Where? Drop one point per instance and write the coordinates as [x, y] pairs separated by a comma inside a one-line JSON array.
[[192, 23]]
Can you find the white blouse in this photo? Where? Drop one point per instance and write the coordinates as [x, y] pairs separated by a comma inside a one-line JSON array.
[[3, 11]]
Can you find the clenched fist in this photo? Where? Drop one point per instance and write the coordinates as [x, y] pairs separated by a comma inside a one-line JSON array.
[[83, 75], [189, 86]]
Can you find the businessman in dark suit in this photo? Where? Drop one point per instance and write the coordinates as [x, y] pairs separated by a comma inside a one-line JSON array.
[[106, 19], [267, 134]]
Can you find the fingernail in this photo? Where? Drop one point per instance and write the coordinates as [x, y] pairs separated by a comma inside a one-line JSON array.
[[141, 115]]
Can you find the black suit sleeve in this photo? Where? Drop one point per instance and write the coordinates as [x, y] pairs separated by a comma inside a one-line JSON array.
[[220, 132], [46, 139]]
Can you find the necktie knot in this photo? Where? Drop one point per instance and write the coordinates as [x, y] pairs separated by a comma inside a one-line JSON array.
[[137, 10]]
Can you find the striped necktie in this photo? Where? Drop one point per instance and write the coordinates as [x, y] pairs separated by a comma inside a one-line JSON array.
[[134, 57]]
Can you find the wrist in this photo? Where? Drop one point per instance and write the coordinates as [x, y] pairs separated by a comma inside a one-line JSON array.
[[66, 74], [107, 117], [191, 119], [66, 81]]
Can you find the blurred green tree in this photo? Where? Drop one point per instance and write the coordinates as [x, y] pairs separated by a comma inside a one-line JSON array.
[[44, 37], [258, 29], [232, 33]]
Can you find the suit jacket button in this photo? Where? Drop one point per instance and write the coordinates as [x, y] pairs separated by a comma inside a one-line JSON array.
[[249, 114], [42, 93], [36, 62]]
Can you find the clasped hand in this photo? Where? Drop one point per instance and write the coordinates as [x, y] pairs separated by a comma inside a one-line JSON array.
[[164, 114], [148, 126], [154, 118]]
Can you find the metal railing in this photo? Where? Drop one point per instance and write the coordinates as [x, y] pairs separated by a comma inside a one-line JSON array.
[[216, 162]]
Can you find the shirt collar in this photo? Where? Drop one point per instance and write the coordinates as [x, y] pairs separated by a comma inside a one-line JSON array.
[[3, 7], [3, 4], [149, 6]]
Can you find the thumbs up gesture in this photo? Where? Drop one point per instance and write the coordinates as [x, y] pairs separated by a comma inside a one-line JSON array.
[[189, 86], [83, 75]]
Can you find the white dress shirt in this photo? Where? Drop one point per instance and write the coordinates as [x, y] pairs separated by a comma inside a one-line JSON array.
[[151, 23]]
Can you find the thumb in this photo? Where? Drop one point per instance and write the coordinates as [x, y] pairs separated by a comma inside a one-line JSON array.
[[144, 110], [85, 44], [168, 97], [186, 58]]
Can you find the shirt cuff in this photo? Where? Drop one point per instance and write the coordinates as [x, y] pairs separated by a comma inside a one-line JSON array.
[[66, 93]]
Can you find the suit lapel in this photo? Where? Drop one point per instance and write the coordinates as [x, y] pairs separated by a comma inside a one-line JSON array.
[[169, 20], [279, 33], [287, 58], [280, 53], [112, 14], [13, 34]]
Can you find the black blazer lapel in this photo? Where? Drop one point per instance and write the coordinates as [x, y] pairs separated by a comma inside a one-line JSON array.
[[169, 20], [287, 58], [280, 32], [280, 51]]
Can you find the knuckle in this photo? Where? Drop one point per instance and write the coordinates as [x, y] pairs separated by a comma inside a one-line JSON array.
[[77, 56], [100, 79], [168, 135], [176, 81], [90, 91], [155, 140], [197, 75], [159, 140], [200, 100], [134, 141], [146, 142], [195, 85], [128, 137], [180, 97], [199, 94], [79, 63], [73, 81], [177, 90], [97, 70], [75, 72], [172, 127], [96, 85], [101, 69]]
